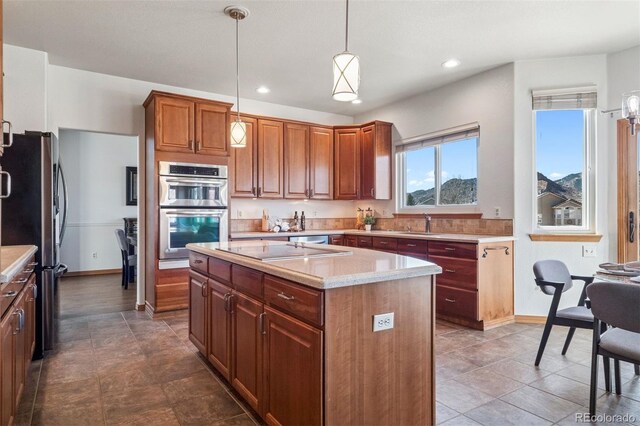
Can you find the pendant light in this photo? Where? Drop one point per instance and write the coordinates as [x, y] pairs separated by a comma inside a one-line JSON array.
[[631, 108], [346, 71], [238, 128]]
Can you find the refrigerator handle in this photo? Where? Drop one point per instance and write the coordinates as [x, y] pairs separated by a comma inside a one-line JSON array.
[[65, 202], [8, 194], [7, 145]]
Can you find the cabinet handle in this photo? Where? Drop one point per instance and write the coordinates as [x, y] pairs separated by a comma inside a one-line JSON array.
[[198, 261], [35, 292], [22, 280], [306, 193], [281, 295], [8, 123], [450, 300], [372, 192], [450, 248], [204, 289], [227, 297], [383, 242], [411, 245], [32, 264], [253, 190], [452, 271], [16, 329], [191, 144], [198, 145], [311, 193], [261, 323], [10, 293], [28, 271], [8, 194], [22, 319], [259, 192]]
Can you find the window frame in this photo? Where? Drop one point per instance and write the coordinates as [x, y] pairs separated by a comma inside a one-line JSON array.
[[401, 181], [588, 179]]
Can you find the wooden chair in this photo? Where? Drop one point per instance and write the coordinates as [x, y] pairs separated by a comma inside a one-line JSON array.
[[617, 305], [553, 278], [127, 260]]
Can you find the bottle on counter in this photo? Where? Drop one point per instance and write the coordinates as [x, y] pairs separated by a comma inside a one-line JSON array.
[[303, 225], [296, 222]]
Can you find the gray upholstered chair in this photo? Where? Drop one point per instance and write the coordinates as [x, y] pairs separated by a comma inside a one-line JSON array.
[[127, 260], [617, 305], [553, 278]]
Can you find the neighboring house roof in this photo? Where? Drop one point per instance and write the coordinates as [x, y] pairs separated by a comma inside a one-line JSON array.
[[568, 203], [546, 194]]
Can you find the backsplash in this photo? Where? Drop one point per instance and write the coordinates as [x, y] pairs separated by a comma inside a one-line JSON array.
[[438, 226]]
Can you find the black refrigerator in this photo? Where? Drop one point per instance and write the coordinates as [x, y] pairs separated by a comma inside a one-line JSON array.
[[35, 213]]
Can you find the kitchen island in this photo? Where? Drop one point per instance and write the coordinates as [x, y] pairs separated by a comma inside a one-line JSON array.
[[291, 328]]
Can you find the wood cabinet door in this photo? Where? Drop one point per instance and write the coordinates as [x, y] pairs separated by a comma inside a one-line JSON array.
[[367, 163], [270, 158], [292, 350], [219, 352], [174, 124], [20, 348], [246, 374], [296, 161], [347, 164], [212, 129], [321, 163], [198, 294], [7, 366], [243, 164]]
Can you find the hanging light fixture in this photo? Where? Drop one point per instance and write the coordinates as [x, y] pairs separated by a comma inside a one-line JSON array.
[[346, 71], [238, 127], [631, 108]]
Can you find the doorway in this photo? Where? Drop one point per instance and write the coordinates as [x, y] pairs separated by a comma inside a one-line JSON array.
[[102, 190]]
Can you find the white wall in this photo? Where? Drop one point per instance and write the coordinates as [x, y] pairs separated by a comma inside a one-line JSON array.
[[545, 74], [94, 165], [486, 98], [25, 89], [623, 75]]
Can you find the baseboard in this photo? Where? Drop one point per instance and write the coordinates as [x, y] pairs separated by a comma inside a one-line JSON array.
[[91, 273], [531, 319], [140, 307]]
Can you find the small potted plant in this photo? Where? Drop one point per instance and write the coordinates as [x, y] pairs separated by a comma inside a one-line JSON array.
[[368, 222]]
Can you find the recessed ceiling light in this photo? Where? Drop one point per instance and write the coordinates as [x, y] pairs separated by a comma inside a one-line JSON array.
[[263, 89], [356, 101], [451, 63]]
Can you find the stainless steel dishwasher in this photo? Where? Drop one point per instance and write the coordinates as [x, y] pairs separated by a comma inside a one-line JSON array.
[[313, 239]]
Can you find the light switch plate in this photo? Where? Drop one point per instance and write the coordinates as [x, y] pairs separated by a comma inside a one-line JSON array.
[[383, 322], [589, 251]]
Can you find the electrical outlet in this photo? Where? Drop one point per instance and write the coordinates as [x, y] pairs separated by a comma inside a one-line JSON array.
[[94, 254], [383, 321], [239, 213], [589, 251], [498, 212], [315, 213], [384, 213]]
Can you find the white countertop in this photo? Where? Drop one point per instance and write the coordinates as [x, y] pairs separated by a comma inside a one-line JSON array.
[[13, 259], [467, 238], [326, 272]]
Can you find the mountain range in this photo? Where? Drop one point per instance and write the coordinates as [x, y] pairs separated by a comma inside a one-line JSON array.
[[569, 186]]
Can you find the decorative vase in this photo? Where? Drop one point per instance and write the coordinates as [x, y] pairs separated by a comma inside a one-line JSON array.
[[367, 227]]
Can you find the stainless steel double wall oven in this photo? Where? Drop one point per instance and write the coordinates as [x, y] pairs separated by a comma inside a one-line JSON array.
[[193, 207]]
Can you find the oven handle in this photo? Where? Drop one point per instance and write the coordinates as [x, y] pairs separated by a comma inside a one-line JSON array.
[[219, 212], [214, 182]]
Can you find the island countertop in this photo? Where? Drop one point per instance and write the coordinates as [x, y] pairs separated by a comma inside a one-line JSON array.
[[13, 259], [462, 238], [358, 267]]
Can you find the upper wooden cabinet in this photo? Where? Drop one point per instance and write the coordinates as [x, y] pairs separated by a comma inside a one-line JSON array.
[[188, 125], [347, 164], [243, 164], [308, 162], [270, 158]]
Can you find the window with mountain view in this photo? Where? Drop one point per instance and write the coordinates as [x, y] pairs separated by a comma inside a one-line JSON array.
[[442, 171], [562, 142]]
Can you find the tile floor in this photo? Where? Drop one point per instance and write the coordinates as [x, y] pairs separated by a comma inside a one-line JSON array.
[[124, 368]]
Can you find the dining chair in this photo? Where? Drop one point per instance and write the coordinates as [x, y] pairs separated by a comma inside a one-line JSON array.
[[617, 305], [553, 278], [128, 260]]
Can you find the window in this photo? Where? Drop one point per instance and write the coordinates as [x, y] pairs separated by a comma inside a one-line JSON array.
[[439, 170], [564, 139]]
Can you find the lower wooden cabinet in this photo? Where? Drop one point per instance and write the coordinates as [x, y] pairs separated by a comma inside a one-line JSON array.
[[198, 310], [8, 365], [218, 323]]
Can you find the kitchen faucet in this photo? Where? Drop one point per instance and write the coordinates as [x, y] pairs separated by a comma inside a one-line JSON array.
[[427, 223]]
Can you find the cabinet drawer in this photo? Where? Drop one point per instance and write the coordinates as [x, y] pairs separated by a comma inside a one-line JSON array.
[[461, 273], [456, 302], [465, 250], [220, 270], [302, 302], [364, 242], [198, 262], [386, 244], [351, 241], [336, 240], [412, 246], [247, 280]]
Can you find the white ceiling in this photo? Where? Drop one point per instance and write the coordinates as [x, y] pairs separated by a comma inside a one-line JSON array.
[[288, 45]]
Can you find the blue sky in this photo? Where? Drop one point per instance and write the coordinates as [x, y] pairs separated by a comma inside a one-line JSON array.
[[559, 142], [458, 160]]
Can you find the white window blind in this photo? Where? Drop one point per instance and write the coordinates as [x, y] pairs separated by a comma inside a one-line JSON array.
[[466, 131], [570, 98]]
